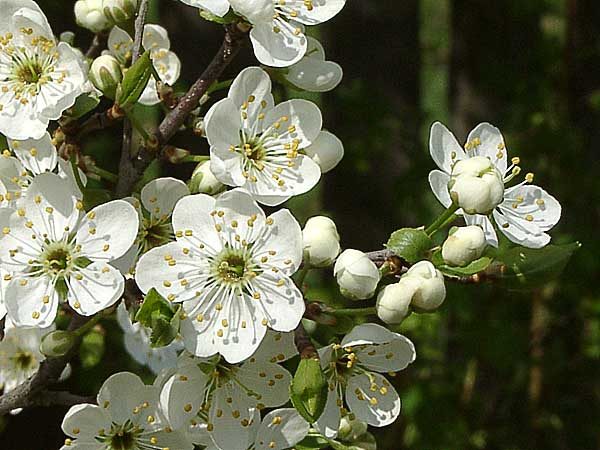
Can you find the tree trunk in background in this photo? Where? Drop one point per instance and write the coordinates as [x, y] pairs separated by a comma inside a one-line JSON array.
[[375, 112]]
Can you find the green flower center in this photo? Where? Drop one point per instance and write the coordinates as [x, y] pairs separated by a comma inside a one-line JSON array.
[[30, 72], [232, 268], [23, 359], [57, 258], [121, 437], [154, 233]]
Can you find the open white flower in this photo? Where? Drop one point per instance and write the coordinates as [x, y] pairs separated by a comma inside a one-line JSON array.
[[137, 343], [277, 33], [158, 198], [526, 212], [257, 145], [20, 355], [39, 78], [353, 369], [55, 251], [229, 394], [230, 266], [156, 40], [313, 73], [127, 417], [216, 7]]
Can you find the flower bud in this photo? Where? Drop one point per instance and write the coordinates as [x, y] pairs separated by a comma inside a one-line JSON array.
[[89, 14], [476, 185], [463, 246], [432, 291], [203, 181], [119, 11], [105, 74], [393, 301], [351, 429], [57, 343], [356, 274], [321, 242]]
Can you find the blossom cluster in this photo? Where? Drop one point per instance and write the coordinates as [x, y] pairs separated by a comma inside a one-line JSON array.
[[216, 265]]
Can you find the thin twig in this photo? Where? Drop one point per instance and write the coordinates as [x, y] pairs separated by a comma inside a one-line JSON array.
[[304, 345], [98, 43]]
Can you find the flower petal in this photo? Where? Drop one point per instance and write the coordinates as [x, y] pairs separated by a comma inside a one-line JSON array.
[[31, 302], [491, 144], [442, 146], [85, 421], [120, 44], [160, 196], [319, 12], [255, 83], [94, 288], [329, 422], [193, 221], [183, 394], [216, 7], [388, 357], [375, 402], [438, 181], [280, 49], [327, 151], [276, 347], [124, 391], [304, 118], [280, 299], [486, 225], [37, 155], [281, 243], [270, 381], [155, 37], [281, 429]]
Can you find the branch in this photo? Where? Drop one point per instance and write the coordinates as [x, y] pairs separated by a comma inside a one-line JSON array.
[[97, 45], [304, 345], [131, 173], [29, 392]]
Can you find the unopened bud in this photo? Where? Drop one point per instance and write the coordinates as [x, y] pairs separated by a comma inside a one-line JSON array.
[[89, 14], [175, 154], [321, 242], [57, 343], [119, 11], [106, 74], [203, 181], [476, 185], [356, 274], [351, 429], [393, 301], [431, 291], [463, 246]]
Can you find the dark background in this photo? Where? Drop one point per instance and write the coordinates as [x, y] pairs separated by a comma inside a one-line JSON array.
[[496, 368]]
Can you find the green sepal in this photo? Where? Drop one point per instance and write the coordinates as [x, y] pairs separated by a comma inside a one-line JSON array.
[[410, 244], [134, 81], [308, 390]]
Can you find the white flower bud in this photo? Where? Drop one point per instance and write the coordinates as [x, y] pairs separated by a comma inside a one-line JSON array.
[[119, 11], [203, 181], [321, 242], [106, 74], [431, 291], [356, 274], [89, 14], [393, 301], [351, 429], [463, 246], [476, 185]]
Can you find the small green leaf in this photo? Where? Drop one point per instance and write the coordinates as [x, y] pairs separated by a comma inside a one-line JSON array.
[[410, 244], [84, 104], [156, 313], [313, 443], [134, 81], [92, 349], [479, 265], [308, 391]]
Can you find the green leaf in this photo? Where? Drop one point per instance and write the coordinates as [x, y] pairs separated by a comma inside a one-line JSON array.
[[156, 313], [134, 81], [411, 244], [84, 104], [528, 267], [92, 349], [308, 391], [479, 265], [313, 443]]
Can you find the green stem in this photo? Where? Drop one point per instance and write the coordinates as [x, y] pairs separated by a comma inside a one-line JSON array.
[[217, 86], [301, 276], [194, 158], [441, 220], [138, 126], [105, 174], [76, 174], [88, 325], [353, 311]]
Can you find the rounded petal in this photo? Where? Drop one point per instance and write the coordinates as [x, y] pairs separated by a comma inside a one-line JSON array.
[[160, 196], [327, 151], [373, 399], [230, 409], [120, 44], [94, 288], [486, 225], [281, 243], [37, 155], [216, 7], [31, 302], [281, 301], [388, 357], [442, 146], [182, 395], [255, 83], [155, 37], [438, 181], [490, 143], [276, 347], [85, 421], [319, 12], [304, 116], [277, 49], [314, 75], [270, 381], [367, 334], [281, 429], [192, 214], [329, 422], [108, 230], [122, 392]]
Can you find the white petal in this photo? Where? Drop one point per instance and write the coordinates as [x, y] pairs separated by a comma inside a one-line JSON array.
[[100, 286], [281, 299], [193, 213], [270, 381], [124, 391], [438, 181], [160, 195], [108, 230], [303, 115], [183, 394], [155, 37], [216, 7], [223, 124], [277, 49], [321, 11], [276, 347], [33, 304], [388, 357], [255, 82], [327, 151], [281, 429], [535, 201], [85, 421], [486, 225], [376, 403], [314, 75], [329, 422], [442, 145], [366, 334], [281, 243], [492, 145], [37, 155], [227, 416], [119, 44]]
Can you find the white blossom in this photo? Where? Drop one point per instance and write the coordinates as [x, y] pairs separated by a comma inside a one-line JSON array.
[[216, 7], [137, 343], [156, 41], [228, 395], [106, 74], [119, 11], [464, 245], [127, 417], [327, 151], [321, 241], [203, 181], [39, 78], [393, 301], [259, 146], [277, 33], [158, 198], [89, 14], [353, 369], [356, 275], [313, 73], [54, 251], [431, 291], [526, 213], [230, 266]]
